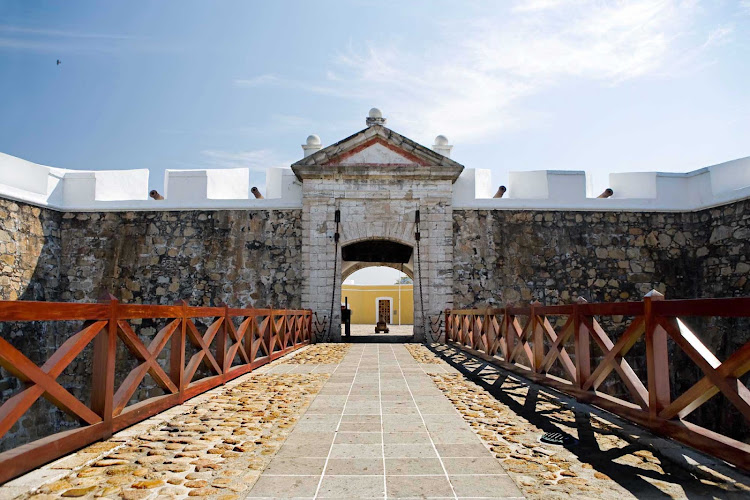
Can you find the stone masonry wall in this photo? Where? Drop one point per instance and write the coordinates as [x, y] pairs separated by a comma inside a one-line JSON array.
[[207, 258], [513, 257], [243, 258], [29, 252], [516, 257]]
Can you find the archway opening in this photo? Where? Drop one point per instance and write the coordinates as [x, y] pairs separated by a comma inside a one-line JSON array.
[[380, 302], [377, 293]]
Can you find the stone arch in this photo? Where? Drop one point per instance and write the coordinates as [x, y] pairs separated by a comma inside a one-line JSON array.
[[398, 254], [347, 271], [402, 241]]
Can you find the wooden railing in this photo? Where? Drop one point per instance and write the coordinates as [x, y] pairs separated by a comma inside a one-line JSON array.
[[523, 340], [235, 342]]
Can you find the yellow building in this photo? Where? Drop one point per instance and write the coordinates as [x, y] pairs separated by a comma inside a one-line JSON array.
[[396, 301]]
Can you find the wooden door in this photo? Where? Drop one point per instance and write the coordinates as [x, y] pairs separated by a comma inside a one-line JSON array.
[[384, 311]]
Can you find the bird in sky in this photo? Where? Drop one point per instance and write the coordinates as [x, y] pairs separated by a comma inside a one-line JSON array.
[[58, 62]]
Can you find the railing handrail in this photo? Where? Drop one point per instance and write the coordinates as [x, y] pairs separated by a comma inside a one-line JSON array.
[[256, 341], [532, 347]]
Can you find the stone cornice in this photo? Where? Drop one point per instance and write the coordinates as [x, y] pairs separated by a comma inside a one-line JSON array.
[[389, 172]]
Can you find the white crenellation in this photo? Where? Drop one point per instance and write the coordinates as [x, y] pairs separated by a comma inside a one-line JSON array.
[[219, 189]]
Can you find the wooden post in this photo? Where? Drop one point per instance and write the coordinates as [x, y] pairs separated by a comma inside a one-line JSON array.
[[448, 336], [268, 334], [309, 334], [103, 369], [582, 346], [177, 352], [657, 358], [486, 332], [221, 342], [509, 343], [538, 335]]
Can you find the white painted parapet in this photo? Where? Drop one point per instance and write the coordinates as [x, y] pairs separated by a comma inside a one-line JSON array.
[[281, 183], [186, 186], [218, 189], [89, 187], [472, 184], [110, 190], [559, 185], [26, 181], [633, 191]]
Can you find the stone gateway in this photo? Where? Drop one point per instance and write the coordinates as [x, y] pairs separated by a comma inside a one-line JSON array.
[[377, 181]]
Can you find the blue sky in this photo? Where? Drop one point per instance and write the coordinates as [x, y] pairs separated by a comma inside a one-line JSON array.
[[544, 84]]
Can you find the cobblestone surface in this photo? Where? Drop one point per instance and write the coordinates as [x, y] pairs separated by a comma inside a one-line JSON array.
[[510, 416], [217, 450], [423, 355], [320, 354]]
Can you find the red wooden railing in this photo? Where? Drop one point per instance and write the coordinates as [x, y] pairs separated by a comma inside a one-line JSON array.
[[523, 340], [255, 336]]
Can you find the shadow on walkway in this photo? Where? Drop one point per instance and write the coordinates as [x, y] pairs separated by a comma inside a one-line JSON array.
[[522, 396]]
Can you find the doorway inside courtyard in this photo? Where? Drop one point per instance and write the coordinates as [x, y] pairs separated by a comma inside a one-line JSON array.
[[377, 292]]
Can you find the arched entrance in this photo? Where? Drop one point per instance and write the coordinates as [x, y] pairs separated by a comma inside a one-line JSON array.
[[376, 185], [382, 295]]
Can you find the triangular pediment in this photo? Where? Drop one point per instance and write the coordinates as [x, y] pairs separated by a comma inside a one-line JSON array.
[[377, 152], [376, 146]]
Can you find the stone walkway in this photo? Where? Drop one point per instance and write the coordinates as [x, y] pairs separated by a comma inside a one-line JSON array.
[[380, 421], [380, 428]]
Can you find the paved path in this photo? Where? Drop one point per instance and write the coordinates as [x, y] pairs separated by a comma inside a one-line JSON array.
[[380, 428]]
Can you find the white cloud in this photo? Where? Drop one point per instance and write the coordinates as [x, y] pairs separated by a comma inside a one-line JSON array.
[[719, 36], [23, 38], [469, 82], [258, 81], [53, 33], [258, 160]]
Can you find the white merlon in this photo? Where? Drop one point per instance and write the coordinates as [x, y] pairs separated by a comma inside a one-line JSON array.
[[281, 183], [103, 185], [473, 183]]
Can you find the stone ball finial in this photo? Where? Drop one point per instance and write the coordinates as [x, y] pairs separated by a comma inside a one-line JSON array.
[[375, 117], [441, 146], [312, 145]]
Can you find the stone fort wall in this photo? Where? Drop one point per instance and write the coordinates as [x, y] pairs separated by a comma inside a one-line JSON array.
[[516, 257], [205, 257]]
